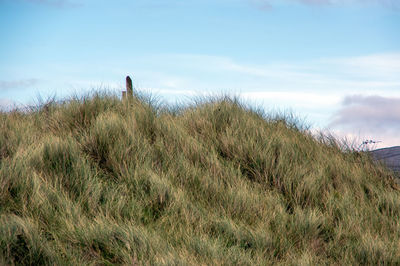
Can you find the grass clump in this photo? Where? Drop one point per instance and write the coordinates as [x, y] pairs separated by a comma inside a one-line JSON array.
[[100, 181]]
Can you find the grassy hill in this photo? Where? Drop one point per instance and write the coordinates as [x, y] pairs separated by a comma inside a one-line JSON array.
[[99, 181]]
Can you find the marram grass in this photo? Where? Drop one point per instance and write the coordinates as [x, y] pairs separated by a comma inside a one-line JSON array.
[[97, 181]]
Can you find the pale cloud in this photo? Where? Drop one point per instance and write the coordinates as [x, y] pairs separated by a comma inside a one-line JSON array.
[[372, 113], [262, 4], [56, 3], [369, 117], [315, 2], [170, 92], [384, 65], [371, 74], [17, 84], [301, 99]]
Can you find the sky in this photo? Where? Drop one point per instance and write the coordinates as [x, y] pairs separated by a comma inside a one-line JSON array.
[[333, 63]]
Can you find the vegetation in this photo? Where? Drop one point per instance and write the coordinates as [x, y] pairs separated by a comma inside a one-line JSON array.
[[99, 181]]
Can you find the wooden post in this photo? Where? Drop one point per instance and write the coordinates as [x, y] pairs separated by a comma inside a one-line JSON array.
[[129, 90]]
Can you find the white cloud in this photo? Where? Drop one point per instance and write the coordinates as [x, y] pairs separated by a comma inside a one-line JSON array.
[[369, 117], [382, 65], [266, 4], [17, 84], [369, 113], [369, 74], [182, 92], [260, 4], [55, 3], [302, 99]]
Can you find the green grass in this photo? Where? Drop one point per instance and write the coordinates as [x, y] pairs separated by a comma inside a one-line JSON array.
[[97, 181]]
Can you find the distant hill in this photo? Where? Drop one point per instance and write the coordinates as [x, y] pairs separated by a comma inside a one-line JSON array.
[[390, 157], [100, 181]]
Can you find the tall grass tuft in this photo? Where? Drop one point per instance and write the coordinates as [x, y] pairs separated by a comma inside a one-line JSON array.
[[94, 180]]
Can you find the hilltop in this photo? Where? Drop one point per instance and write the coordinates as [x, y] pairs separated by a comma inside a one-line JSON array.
[[94, 180]]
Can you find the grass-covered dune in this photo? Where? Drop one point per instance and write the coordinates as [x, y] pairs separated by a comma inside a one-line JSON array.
[[96, 181]]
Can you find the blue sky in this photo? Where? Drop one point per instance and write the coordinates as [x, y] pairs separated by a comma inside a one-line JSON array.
[[335, 63]]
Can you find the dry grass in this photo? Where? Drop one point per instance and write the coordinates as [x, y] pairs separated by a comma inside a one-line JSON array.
[[96, 181]]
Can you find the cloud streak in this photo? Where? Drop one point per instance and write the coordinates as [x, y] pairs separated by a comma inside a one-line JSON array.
[[17, 84], [267, 4], [55, 3]]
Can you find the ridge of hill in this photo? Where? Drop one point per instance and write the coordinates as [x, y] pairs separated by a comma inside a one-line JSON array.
[[95, 180]]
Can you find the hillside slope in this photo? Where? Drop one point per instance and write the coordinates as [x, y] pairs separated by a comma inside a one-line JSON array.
[[98, 181], [390, 157]]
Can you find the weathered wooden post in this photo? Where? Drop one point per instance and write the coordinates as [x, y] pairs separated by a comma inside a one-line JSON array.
[[128, 94], [129, 90]]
